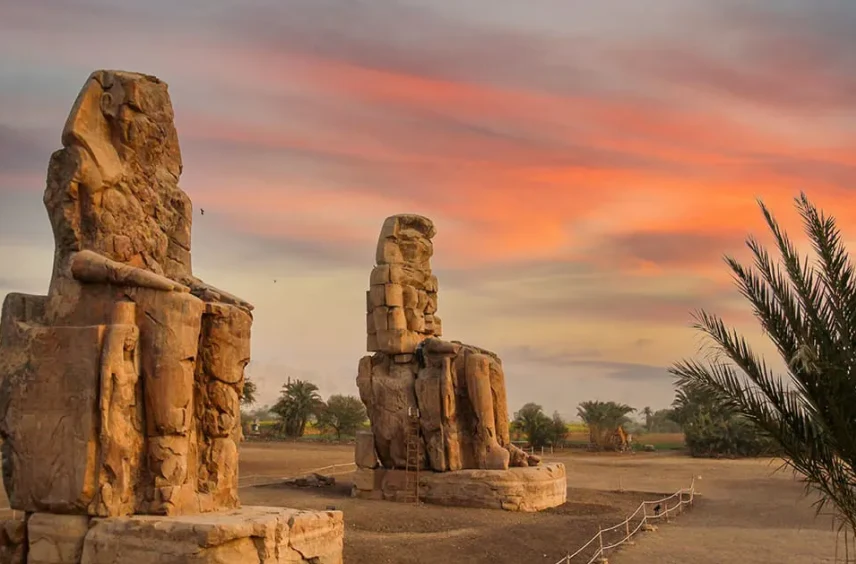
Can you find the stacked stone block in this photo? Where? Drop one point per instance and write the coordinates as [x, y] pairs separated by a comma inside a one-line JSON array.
[[401, 303], [459, 389]]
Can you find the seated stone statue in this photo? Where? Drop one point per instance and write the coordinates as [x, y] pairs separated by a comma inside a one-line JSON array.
[[457, 390], [119, 390]]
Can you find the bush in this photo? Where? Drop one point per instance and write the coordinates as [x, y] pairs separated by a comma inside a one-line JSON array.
[[713, 430]]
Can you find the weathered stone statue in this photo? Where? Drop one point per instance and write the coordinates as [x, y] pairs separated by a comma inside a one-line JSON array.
[[122, 291], [457, 390], [119, 390]]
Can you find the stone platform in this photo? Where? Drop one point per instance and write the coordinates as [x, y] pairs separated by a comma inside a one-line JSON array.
[[251, 535], [529, 489]]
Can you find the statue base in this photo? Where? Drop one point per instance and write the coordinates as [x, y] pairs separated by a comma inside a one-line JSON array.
[[258, 535], [532, 488]]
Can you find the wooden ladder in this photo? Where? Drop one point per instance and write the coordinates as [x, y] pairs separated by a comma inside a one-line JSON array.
[[414, 448]]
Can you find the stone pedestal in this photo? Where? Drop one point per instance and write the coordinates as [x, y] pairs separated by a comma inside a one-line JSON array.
[[13, 537], [250, 535], [517, 489]]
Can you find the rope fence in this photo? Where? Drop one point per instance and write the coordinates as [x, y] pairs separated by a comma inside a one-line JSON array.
[[254, 480], [613, 537]]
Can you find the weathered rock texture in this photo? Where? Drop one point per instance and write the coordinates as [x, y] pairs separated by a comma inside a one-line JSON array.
[[516, 489], [13, 537], [120, 387], [458, 389], [261, 535], [119, 390], [56, 539], [402, 299]]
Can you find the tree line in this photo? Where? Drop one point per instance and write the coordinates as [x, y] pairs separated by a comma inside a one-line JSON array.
[[300, 404]]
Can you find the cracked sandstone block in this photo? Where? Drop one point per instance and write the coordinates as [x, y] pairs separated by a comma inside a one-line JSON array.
[[263, 535], [56, 539], [13, 538]]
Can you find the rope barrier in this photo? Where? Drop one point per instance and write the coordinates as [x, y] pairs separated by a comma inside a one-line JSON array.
[[685, 496]]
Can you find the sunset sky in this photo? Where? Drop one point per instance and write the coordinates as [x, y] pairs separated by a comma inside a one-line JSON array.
[[586, 164]]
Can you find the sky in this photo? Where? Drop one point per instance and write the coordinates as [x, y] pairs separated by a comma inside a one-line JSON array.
[[586, 164]]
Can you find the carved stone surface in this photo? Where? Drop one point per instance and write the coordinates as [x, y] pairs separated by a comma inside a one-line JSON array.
[[56, 539], [364, 450], [264, 535], [51, 428], [119, 390], [120, 387], [219, 376], [13, 538], [515, 489], [459, 389]]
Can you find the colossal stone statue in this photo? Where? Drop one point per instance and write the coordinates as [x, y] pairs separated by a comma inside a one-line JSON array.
[[120, 390], [458, 389], [127, 329]]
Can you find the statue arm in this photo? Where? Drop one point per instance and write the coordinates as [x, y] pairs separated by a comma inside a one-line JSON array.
[[209, 293], [89, 266]]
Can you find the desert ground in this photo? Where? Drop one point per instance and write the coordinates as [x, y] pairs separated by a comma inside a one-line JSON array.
[[746, 512]]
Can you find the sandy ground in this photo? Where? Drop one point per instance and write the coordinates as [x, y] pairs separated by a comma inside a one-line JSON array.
[[749, 513], [746, 512], [383, 532]]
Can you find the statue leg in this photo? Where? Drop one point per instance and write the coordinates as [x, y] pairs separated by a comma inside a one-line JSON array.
[[169, 329], [224, 352], [489, 453]]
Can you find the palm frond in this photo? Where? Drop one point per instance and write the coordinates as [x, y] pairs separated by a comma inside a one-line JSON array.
[[808, 310]]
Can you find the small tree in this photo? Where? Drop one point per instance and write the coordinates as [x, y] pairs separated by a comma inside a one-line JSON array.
[[298, 401], [712, 429], [603, 419], [557, 430], [534, 424], [649, 418], [342, 414], [664, 422], [248, 393]]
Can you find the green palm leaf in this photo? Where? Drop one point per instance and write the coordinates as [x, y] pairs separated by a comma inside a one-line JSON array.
[[808, 310]]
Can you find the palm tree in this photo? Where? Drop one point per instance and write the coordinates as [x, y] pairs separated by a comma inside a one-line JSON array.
[[248, 392], [534, 423], [297, 402], [649, 418], [808, 310], [603, 419]]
